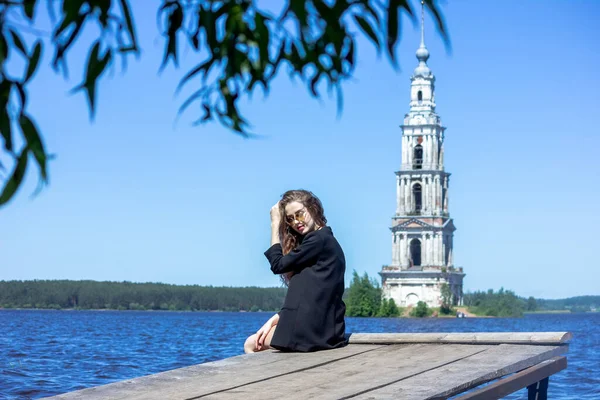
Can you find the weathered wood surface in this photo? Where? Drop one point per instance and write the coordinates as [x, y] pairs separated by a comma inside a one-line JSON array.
[[387, 369], [457, 377], [354, 375], [202, 379], [529, 376], [463, 338]]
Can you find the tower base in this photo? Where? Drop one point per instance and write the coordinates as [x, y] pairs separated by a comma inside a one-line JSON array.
[[409, 286]]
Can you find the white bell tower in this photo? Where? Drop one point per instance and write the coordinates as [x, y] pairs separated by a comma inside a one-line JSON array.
[[422, 230]]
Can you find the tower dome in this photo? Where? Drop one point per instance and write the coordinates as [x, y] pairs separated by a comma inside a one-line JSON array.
[[422, 69]]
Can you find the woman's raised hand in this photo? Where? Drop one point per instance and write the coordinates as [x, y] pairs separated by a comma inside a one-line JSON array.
[[275, 215]]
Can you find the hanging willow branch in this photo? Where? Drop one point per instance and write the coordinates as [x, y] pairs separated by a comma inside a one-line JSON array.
[[240, 47]]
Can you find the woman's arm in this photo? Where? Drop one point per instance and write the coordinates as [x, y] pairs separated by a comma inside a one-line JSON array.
[[301, 257], [298, 258], [275, 222], [262, 333]]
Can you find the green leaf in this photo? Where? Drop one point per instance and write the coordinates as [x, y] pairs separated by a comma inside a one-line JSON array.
[[371, 11], [350, 54], [298, 7], [208, 20], [202, 92], [5, 129], [263, 39], [95, 68], [129, 23], [203, 67], [392, 27], [22, 94], [174, 22], [64, 44], [34, 143], [29, 8], [366, 27], [13, 183], [92, 60], [34, 60], [18, 42], [66, 22], [3, 49], [313, 84]]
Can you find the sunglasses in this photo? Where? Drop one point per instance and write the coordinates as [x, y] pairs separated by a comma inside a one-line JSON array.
[[299, 216]]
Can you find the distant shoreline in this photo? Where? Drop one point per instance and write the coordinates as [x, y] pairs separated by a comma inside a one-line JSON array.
[[468, 315], [114, 309]]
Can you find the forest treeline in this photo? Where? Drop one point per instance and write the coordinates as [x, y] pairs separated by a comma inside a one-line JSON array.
[[363, 298], [574, 304], [59, 294]]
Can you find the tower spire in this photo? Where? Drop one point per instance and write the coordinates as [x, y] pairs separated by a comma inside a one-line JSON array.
[[422, 23], [422, 52]]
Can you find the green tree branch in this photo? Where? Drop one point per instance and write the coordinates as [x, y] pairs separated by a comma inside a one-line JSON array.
[[239, 45]]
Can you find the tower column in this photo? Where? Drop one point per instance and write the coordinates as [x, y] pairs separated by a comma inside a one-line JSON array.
[[403, 195], [428, 249], [440, 249], [406, 250], [447, 195], [431, 252], [426, 155], [404, 156], [396, 253], [424, 249], [435, 153], [407, 202], [398, 195], [434, 195], [429, 193], [439, 195], [443, 253], [436, 249], [430, 152], [400, 249], [424, 195]]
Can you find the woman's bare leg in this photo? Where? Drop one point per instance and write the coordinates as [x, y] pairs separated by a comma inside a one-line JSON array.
[[250, 344]]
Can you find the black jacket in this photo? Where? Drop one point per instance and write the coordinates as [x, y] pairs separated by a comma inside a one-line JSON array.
[[312, 316]]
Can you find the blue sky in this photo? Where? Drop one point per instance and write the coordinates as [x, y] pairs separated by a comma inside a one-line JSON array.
[[136, 196]]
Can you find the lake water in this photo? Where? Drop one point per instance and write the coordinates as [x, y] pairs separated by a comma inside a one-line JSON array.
[[44, 353]]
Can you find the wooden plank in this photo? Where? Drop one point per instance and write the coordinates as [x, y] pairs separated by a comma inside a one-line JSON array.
[[518, 381], [202, 379], [354, 375], [546, 338], [457, 377]]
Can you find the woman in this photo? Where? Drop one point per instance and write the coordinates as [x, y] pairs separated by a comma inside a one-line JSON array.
[[311, 262]]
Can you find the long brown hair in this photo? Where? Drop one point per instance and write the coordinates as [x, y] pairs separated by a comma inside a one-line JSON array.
[[288, 237]]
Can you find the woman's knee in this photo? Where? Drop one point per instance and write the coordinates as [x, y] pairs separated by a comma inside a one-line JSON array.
[[250, 344]]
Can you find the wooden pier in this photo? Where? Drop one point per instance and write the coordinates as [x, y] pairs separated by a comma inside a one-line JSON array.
[[372, 366]]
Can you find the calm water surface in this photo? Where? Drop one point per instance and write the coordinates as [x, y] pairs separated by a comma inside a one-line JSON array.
[[44, 353]]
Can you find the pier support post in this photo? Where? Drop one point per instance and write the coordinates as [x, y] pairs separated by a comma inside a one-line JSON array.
[[538, 391]]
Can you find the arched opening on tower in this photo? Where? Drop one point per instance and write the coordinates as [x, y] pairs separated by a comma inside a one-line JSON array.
[[418, 157], [417, 196], [415, 252], [412, 299], [420, 97]]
